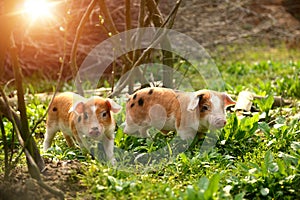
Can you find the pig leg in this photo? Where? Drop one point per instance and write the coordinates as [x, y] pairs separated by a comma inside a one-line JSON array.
[[131, 129], [75, 135], [108, 145], [186, 133], [158, 116], [79, 141], [49, 135], [69, 140], [144, 132]]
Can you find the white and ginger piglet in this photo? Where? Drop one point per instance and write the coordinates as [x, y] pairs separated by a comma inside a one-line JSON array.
[[79, 117], [169, 110]]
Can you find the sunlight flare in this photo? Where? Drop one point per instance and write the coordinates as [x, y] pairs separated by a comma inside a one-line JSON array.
[[36, 9]]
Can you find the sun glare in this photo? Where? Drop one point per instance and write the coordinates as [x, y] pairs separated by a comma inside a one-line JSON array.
[[36, 9]]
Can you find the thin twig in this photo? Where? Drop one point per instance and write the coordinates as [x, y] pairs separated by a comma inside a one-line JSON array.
[[75, 43], [12, 145], [155, 13], [156, 39], [112, 30], [113, 73], [108, 17], [127, 15], [167, 55], [141, 17], [128, 42], [171, 17], [12, 116], [5, 145]]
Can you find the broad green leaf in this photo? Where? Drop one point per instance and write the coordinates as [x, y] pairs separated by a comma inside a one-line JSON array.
[[269, 102], [289, 158], [280, 120], [295, 146], [268, 158], [118, 137], [265, 128], [244, 167], [273, 167], [254, 128], [265, 104], [169, 149], [190, 192], [111, 180], [240, 135], [269, 164], [239, 196], [281, 167], [183, 158], [212, 187], [72, 153], [203, 183], [255, 118]]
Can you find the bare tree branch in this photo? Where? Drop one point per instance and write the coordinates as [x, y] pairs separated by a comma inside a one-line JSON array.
[[76, 40]]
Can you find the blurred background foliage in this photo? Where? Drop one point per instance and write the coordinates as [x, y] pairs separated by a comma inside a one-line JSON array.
[[229, 30]]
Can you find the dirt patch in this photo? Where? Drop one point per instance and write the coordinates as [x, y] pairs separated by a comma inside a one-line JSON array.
[[60, 175], [221, 22]]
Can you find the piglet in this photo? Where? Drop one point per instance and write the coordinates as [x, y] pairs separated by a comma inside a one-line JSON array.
[[78, 117], [167, 110]]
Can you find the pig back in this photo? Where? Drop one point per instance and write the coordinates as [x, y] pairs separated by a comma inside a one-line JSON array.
[[61, 105], [141, 102]]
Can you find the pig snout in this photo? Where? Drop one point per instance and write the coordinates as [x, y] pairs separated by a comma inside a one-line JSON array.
[[216, 122], [219, 122], [95, 132]]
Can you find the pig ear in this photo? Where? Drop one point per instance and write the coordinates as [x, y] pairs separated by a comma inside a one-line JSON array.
[[114, 107], [227, 100], [195, 100], [77, 107]]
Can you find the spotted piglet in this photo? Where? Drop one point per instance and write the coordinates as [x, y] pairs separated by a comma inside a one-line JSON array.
[[169, 110], [78, 117]]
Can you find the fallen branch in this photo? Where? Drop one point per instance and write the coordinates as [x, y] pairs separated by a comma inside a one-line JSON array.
[[245, 99]]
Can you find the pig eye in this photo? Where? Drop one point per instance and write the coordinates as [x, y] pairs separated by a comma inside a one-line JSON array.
[[85, 115], [79, 119], [103, 114], [204, 108]]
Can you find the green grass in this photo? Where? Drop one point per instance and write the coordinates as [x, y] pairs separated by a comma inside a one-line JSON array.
[[266, 77], [255, 157], [251, 159]]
